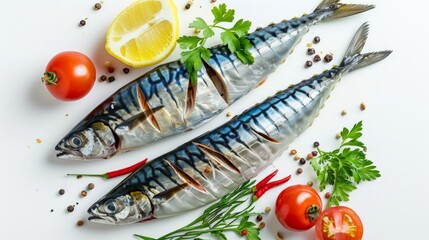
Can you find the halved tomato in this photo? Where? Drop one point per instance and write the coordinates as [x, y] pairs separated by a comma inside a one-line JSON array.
[[339, 223]]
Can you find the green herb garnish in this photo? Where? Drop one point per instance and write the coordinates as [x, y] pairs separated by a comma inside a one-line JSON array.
[[234, 38], [227, 215], [344, 167]]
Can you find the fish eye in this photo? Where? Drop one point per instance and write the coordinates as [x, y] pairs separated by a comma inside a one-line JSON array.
[[76, 141], [111, 207]]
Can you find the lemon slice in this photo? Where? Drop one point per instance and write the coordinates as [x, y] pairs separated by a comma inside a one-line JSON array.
[[144, 33]]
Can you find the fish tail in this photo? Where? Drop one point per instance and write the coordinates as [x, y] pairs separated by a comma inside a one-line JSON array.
[[335, 9], [354, 59]]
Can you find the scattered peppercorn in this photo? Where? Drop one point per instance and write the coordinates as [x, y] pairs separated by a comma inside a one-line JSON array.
[[299, 171], [61, 191], [297, 157], [311, 51], [187, 6], [107, 64], [77, 203], [279, 236], [310, 183], [90, 186], [112, 79], [267, 210], [261, 225], [79, 176], [302, 161], [328, 58], [70, 208], [213, 1], [126, 70], [52, 210], [317, 58], [103, 78], [79, 223], [259, 218], [82, 23], [111, 69], [308, 64], [293, 152], [309, 156], [316, 39], [228, 114], [244, 232], [196, 30], [314, 153], [83, 193], [327, 195], [362, 106], [309, 45], [316, 144], [343, 113], [338, 136], [97, 6]]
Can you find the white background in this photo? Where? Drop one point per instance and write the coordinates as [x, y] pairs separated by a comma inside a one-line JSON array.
[[395, 122]]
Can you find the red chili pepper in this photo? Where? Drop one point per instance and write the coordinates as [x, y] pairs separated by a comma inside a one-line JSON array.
[[264, 181], [116, 173], [259, 192]]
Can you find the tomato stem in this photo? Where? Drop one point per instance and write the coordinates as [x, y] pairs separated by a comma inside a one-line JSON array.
[[313, 212], [50, 78]]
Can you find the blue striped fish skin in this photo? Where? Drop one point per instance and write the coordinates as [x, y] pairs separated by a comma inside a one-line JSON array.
[[160, 103], [212, 165]]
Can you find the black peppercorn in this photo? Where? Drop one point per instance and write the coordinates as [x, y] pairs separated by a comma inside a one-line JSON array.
[[97, 6], [61, 191], [112, 79], [317, 58], [311, 51], [314, 153], [308, 64], [126, 70], [70, 208], [82, 23], [103, 78], [302, 161], [316, 39], [316, 144], [328, 58]]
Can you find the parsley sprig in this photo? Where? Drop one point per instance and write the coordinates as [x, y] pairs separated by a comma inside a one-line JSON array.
[[235, 38], [345, 167], [230, 214]]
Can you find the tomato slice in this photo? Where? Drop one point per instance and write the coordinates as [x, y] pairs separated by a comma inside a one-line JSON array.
[[339, 223]]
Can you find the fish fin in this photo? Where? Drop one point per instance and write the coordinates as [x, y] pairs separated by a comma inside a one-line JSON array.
[[354, 59], [340, 10], [264, 136], [186, 177], [191, 94], [167, 194], [218, 157], [135, 120], [147, 110]]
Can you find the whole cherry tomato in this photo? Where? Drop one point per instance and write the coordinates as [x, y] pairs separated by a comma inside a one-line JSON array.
[[339, 223], [297, 207], [69, 75]]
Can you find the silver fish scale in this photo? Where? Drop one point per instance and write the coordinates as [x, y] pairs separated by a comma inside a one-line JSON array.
[[179, 180]]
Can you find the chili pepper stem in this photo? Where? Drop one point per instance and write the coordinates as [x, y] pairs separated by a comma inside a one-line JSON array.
[[50, 78], [104, 175]]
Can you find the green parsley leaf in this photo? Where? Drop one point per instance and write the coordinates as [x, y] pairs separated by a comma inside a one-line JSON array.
[[230, 39], [345, 167], [220, 235], [222, 14], [199, 23], [189, 42], [241, 27]]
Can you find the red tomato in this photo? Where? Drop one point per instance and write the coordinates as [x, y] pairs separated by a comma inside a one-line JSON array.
[[297, 207], [339, 223], [69, 75]]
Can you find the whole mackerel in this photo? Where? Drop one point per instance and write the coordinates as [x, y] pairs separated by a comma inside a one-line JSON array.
[[163, 102], [212, 165]]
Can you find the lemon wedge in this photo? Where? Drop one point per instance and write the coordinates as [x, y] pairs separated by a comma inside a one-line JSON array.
[[144, 33]]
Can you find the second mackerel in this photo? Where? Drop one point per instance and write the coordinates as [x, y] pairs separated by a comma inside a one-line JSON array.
[[163, 102]]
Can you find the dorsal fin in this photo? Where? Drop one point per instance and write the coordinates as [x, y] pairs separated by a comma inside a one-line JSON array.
[[219, 158]]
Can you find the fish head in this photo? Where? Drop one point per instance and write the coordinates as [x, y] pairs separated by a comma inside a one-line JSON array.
[[122, 209], [94, 140]]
